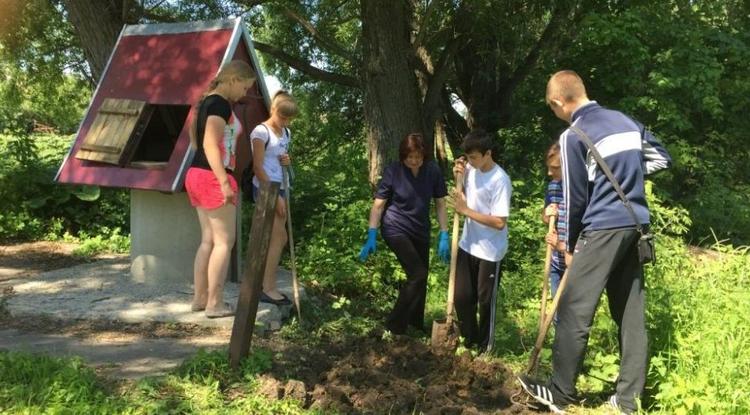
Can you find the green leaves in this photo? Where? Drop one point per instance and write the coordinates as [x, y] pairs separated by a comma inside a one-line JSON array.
[[87, 193], [37, 207]]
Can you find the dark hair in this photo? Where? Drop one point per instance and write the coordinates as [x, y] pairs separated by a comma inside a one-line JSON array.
[[477, 140], [411, 143]]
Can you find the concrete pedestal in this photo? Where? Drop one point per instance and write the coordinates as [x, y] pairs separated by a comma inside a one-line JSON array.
[[164, 235]]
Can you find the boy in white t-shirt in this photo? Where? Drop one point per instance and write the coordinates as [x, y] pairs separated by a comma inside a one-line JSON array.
[[485, 202]]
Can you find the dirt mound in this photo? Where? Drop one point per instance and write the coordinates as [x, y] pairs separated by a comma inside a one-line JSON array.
[[397, 375]]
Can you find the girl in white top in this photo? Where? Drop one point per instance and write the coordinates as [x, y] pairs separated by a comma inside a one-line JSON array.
[[270, 144]]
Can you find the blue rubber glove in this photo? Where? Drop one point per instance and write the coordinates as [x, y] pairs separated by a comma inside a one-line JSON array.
[[444, 248], [369, 246]]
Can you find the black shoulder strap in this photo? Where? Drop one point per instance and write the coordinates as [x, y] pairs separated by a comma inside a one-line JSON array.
[[607, 172], [268, 130]]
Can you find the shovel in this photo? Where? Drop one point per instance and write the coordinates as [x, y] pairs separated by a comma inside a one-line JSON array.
[[295, 285], [543, 316], [445, 331], [534, 358], [545, 281]]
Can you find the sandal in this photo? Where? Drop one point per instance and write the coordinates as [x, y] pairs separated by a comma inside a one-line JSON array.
[[197, 307], [225, 311], [284, 300]]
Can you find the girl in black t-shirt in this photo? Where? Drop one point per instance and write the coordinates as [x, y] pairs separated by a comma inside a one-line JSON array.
[[211, 187]]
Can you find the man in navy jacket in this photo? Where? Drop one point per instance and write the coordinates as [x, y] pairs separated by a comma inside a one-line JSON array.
[[602, 241]]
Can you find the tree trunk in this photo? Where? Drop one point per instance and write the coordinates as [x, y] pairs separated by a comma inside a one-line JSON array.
[[392, 102], [98, 24]]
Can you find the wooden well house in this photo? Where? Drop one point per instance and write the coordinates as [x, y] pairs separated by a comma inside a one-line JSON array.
[[135, 134]]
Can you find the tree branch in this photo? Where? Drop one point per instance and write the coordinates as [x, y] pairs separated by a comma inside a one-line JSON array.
[[422, 30], [442, 70], [431, 103], [249, 4], [325, 42], [456, 125], [152, 13], [306, 68], [551, 32]]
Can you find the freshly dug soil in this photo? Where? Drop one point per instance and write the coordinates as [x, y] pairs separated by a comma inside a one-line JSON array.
[[397, 376]]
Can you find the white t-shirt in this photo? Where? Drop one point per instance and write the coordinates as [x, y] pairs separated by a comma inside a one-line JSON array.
[[276, 147], [487, 193]]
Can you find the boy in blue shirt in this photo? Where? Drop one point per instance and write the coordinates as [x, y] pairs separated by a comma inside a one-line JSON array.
[[555, 206]]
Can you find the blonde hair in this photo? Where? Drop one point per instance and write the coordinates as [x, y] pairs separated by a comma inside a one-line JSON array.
[[283, 103], [553, 152], [236, 70], [567, 85]]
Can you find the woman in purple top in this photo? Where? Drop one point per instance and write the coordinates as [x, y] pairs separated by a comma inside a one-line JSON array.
[[402, 201]]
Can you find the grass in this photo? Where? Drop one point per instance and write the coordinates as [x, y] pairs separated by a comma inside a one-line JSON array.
[[37, 384]]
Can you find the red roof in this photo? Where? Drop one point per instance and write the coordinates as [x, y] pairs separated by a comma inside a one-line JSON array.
[[165, 64]]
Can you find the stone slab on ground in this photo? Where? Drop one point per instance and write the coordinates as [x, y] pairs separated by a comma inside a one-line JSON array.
[[123, 358], [105, 290]]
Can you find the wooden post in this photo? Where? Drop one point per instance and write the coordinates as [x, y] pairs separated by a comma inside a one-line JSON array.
[[252, 277], [234, 256]]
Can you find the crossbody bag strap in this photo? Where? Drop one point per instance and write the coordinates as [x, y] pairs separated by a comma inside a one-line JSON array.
[[607, 172]]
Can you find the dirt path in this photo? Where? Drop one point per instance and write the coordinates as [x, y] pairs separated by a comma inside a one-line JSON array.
[[29, 259]]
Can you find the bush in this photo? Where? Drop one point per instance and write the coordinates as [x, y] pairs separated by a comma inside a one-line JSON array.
[[720, 212], [700, 335], [35, 207]]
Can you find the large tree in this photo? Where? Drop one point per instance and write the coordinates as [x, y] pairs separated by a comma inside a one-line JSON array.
[[376, 50], [411, 58]]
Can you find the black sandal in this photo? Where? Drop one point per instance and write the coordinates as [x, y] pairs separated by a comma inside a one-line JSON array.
[[284, 300]]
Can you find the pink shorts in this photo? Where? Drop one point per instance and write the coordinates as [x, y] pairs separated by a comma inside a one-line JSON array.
[[204, 190]]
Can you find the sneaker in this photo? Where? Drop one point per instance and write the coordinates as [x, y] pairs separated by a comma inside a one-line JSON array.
[[541, 393], [614, 404]]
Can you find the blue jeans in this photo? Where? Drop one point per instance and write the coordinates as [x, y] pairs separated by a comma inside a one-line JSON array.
[[282, 192], [556, 272]]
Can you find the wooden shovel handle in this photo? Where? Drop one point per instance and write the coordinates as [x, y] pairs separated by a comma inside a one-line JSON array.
[[295, 283], [534, 358], [454, 253], [545, 280]]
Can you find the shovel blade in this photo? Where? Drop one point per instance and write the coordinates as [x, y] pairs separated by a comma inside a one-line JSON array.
[[444, 336]]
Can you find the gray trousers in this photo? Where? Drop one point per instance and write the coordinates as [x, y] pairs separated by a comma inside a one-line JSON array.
[[604, 259]]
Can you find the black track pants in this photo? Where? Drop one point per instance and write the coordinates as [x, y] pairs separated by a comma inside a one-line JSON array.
[[476, 288], [604, 259]]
